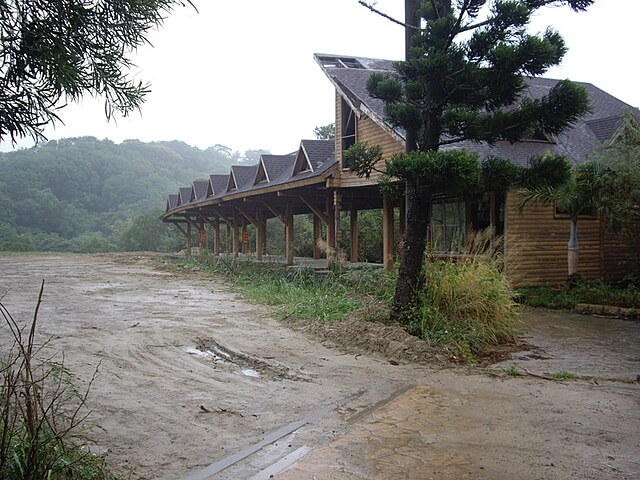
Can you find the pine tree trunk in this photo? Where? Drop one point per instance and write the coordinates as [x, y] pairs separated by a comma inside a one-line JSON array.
[[410, 275]]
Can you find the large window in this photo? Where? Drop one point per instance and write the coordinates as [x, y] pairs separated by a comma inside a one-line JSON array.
[[348, 131], [448, 226]]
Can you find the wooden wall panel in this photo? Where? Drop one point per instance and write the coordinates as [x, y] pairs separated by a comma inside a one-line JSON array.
[[369, 131], [536, 245]]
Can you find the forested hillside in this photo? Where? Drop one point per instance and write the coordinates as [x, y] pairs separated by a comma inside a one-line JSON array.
[[85, 194]]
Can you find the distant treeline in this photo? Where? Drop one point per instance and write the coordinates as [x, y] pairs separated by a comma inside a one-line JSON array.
[[90, 195]]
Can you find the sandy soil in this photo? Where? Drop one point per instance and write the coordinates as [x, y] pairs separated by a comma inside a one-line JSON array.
[[191, 375]]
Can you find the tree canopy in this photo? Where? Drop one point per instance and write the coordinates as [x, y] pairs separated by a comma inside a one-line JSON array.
[[70, 194], [464, 78], [54, 51]]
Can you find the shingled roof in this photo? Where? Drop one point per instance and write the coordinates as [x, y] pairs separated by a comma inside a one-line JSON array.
[[241, 177], [276, 167], [184, 195], [319, 152], [172, 202], [199, 190], [217, 185], [595, 128]]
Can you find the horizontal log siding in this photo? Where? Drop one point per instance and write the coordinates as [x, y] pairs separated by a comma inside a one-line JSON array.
[[369, 131], [536, 245]]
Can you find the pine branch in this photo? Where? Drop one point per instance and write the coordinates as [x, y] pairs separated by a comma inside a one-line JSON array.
[[384, 15]]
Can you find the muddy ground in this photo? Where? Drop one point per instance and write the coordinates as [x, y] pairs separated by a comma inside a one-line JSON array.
[[195, 382]]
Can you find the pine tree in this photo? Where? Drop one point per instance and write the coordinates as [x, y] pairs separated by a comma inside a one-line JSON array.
[[463, 79]]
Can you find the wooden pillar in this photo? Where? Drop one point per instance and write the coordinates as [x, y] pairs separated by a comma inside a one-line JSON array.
[[216, 236], [188, 238], [331, 231], [387, 233], [245, 244], [316, 236], [261, 234], [227, 242], [354, 234], [235, 235], [288, 234], [202, 237]]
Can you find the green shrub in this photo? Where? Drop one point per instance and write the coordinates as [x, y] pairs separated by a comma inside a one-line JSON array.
[[468, 307]]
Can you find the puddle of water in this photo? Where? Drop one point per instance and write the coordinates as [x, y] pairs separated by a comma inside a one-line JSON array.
[[202, 353]]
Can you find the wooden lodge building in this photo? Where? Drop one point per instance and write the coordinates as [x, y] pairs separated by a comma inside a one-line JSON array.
[[316, 180]]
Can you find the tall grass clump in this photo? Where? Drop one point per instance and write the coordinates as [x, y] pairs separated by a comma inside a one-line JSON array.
[[297, 294], [468, 305], [42, 414]]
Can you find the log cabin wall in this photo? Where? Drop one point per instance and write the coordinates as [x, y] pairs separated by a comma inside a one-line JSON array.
[[536, 245], [366, 131]]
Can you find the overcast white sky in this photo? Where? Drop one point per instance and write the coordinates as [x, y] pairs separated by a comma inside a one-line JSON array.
[[241, 73]]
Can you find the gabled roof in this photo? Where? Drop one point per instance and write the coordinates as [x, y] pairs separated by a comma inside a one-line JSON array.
[[350, 74], [274, 168], [241, 177], [172, 202], [217, 185], [184, 195], [199, 190], [318, 152]]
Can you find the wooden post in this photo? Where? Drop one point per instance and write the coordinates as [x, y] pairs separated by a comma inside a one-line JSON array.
[[261, 230], [387, 233], [202, 237], [216, 235], [188, 238], [245, 245], [331, 231], [354, 234], [288, 233], [316, 236], [235, 236], [227, 242]]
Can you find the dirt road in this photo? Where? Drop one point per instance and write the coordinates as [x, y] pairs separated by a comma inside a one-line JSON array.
[[196, 383]]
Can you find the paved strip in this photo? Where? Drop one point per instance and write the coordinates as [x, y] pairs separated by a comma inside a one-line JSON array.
[[270, 438], [282, 464]]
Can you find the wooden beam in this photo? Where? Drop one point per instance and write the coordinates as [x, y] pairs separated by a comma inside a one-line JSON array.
[[316, 211], [277, 214], [387, 233], [246, 215], [227, 248], [354, 234]]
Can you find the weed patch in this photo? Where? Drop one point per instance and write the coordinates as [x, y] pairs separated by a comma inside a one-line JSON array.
[[567, 297], [468, 305], [42, 414]]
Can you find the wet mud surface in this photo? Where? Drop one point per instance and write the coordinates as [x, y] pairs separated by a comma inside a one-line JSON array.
[[194, 382]]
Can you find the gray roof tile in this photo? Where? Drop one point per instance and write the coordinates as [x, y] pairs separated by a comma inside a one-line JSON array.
[[319, 151], [199, 191], [576, 142]]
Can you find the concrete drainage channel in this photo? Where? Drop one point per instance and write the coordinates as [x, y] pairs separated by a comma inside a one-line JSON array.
[[243, 364]]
